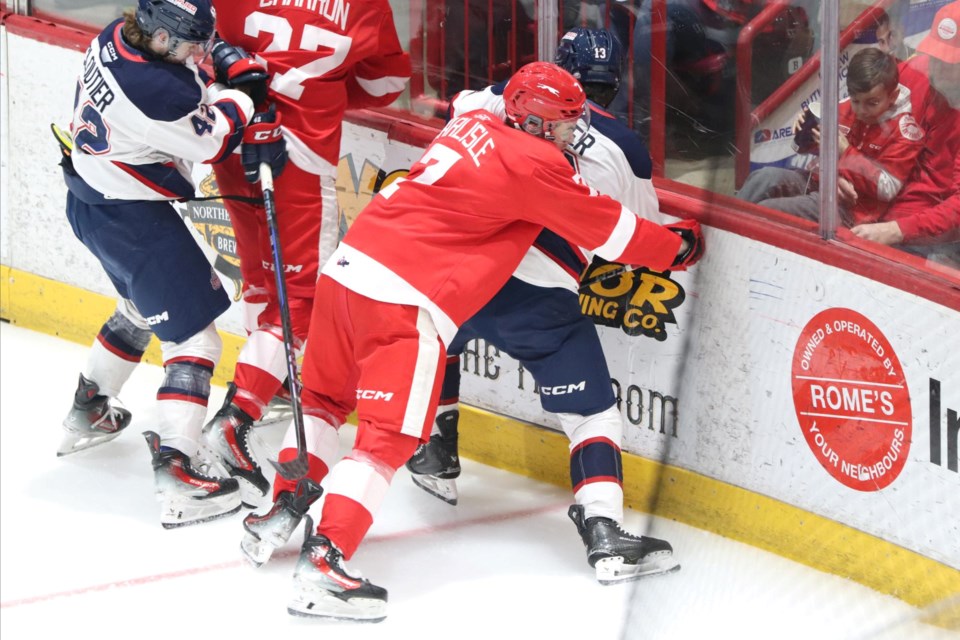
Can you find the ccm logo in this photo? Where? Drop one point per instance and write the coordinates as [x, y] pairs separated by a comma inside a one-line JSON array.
[[157, 319], [266, 136], [564, 389], [370, 394]]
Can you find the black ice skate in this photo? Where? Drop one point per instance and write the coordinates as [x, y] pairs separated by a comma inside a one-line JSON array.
[[272, 530], [435, 464], [186, 495], [325, 588], [93, 419], [619, 556], [226, 444]]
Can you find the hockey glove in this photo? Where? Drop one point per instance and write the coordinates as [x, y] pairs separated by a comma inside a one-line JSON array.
[[263, 142], [65, 141], [690, 231], [235, 68]]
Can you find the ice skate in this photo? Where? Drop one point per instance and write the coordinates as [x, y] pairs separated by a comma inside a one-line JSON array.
[[272, 530], [325, 588], [186, 495], [226, 444], [436, 463], [619, 556], [93, 419]]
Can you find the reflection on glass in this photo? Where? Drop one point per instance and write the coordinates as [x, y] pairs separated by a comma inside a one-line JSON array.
[[95, 13]]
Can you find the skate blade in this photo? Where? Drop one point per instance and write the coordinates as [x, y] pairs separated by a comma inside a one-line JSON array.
[[317, 603], [74, 442], [274, 414], [444, 489], [616, 571], [182, 513], [256, 551], [250, 496]]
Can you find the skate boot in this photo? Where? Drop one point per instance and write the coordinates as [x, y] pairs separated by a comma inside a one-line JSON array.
[[186, 495], [226, 444], [93, 419], [270, 531], [325, 588], [435, 464], [619, 556]]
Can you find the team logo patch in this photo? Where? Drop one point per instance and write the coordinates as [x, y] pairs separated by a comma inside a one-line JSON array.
[[947, 29], [909, 128]]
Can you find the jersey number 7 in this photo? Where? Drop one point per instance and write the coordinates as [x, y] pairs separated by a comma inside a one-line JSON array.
[[290, 84]]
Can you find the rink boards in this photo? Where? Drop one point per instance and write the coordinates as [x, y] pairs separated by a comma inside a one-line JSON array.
[[766, 396]]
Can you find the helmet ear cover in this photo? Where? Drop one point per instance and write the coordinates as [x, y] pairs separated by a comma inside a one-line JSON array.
[[533, 124], [540, 95]]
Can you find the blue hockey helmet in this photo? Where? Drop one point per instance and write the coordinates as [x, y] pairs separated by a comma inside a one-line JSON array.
[[183, 20], [591, 56]]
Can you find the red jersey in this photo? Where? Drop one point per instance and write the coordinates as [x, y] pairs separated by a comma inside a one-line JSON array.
[[449, 236], [928, 208], [324, 57], [881, 157]]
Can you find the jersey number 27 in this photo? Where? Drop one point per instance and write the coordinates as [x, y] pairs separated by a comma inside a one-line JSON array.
[[290, 83]]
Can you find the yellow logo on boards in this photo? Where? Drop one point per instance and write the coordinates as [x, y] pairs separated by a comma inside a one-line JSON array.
[[641, 302]]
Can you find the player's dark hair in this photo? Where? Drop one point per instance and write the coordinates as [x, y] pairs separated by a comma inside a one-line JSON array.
[[871, 67]]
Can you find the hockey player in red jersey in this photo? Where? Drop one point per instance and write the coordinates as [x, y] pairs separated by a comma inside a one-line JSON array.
[[422, 257], [324, 57]]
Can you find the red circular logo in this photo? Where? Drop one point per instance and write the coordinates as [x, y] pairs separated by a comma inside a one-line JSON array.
[[852, 399]]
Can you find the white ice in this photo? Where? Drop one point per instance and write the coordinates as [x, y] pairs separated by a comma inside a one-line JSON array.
[[83, 555]]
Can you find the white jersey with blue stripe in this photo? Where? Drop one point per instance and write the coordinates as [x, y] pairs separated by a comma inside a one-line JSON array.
[[609, 157], [140, 123]]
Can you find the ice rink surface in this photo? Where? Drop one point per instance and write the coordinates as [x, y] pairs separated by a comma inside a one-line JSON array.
[[83, 555]]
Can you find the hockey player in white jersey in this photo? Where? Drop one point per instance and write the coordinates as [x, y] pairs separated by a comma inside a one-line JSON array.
[[143, 114], [536, 318]]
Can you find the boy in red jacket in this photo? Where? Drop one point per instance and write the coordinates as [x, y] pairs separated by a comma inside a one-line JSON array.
[[879, 145]]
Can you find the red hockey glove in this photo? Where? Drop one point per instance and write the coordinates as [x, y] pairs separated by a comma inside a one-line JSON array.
[[263, 142], [235, 68], [690, 231]]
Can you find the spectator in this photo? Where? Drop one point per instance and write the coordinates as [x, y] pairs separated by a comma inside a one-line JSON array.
[[925, 217], [890, 37], [879, 144]]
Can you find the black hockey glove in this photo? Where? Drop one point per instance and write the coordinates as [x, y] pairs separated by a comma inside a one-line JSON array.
[[690, 231], [263, 142], [235, 68]]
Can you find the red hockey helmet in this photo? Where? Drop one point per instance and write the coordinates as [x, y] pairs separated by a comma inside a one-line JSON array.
[[541, 96]]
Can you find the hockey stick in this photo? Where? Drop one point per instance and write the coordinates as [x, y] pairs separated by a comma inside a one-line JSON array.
[[298, 467], [613, 273]]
